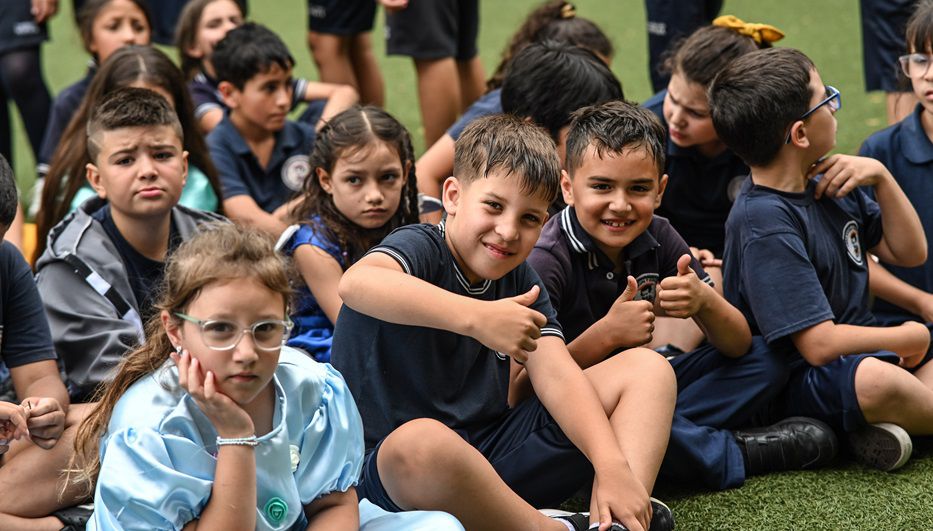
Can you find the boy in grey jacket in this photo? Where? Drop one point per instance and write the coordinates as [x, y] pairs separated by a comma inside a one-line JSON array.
[[104, 262]]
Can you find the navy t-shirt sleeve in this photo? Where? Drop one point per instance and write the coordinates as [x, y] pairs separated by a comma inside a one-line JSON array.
[[781, 286], [225, 160], [204, 98], [552, 274], [527, 277], [872, 229], [415, 249], [24, 330], [488, 104]]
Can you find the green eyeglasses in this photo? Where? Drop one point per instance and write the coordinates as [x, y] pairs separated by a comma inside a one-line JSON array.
[[225, 335]]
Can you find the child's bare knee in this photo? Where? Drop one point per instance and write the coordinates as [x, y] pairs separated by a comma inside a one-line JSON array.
[[877, 385], [416, 446]]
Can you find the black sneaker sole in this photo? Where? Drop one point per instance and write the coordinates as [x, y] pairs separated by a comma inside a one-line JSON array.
[[883, 446]]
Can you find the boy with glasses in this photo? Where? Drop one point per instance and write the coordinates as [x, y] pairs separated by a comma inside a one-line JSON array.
[[795, 259], [904, 293]]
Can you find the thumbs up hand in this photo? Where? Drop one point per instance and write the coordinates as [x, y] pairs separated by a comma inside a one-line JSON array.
[[510, 326], [630, 323], [684, 295]]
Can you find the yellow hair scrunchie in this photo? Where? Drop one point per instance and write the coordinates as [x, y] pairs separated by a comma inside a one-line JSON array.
[[568, 10], [758, 32]]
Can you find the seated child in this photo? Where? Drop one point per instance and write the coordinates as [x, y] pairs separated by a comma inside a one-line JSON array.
[[362, 187], [34, 443], [610, 265], [553, 20], [105, 26], [262, 156], [432, 318], [98, 275], [906, 293], [201, 25], [203, 427], [795, 257], [130, 66]]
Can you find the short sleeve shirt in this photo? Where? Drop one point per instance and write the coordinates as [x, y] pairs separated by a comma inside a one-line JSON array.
[[793, 261], [205, 96], [488, 104], [581, 280], [241, 174], [906, 150], [24, 330], [398, 373], [700, 190]]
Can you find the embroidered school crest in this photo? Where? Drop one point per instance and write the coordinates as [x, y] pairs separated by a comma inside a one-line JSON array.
[[851, 240], [647, 287], [294, 171]]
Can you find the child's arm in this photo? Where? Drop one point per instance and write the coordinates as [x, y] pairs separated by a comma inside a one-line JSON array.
[[339, 98], [337, 510], [628, 323], [209, 120], [685, 295], [434, 166], [243, 210], [885, 285], [322, 274], [13, 424], [827, 341], [903, 242], [46, 400], [232, 504]]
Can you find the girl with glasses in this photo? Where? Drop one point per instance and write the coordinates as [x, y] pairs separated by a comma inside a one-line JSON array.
[[904, 293], [213, 422]]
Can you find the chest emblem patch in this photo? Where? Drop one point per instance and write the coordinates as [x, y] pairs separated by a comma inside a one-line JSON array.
[[294, 171], [647, 287], [851, 239]]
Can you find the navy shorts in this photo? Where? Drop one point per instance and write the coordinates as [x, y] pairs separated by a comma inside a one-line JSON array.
[[527, 449], [884, 23], [434, 29], [341, 17]]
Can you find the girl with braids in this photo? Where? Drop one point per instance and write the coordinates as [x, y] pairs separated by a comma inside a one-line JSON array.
[[362, 187], [205, 427], [554, 20]]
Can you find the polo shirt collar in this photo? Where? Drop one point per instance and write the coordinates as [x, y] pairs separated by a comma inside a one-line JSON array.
[[915, 143], [582, 243], [477, 289]]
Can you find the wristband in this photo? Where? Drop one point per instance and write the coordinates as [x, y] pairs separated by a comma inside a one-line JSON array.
[[238, 441]]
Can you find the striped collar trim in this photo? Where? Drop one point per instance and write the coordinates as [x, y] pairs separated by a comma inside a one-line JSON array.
[[461, 278], [578, 242]]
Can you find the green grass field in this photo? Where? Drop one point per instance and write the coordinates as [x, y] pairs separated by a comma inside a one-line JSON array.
[[847, 497]]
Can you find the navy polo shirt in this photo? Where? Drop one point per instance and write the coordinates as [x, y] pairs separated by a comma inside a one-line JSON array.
[[63, 109], [906, 150], [792, 261], [488, 104], [398, 373], [241, 174], [581, 280], [205, 96], [700, 190], [24, 330]]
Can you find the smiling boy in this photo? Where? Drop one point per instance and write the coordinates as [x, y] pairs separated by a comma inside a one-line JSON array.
[[432, 317], [97, 276], [261, 156]]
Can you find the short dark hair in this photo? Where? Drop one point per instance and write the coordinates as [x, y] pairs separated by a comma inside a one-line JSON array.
[[249, 50], [616, 127], [504, 143], [9, 199], [129, 107], [756, 99], [549, 80]]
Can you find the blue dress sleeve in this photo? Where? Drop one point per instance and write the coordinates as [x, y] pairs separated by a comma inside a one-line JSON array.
[[149, 480], [331, 452]]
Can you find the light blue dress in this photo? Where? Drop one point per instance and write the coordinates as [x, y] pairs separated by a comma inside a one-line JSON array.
[[158, 455]]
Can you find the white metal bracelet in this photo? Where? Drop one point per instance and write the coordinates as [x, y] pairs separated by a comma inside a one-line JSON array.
[[238, 441]]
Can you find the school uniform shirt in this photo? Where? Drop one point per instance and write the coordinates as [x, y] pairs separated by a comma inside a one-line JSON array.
[[906, 150], [792, 261], [398, 373], [205, 96], [700, 190], [581, 280], [63, 109], [24, 330], [241, 174], [313, 331]]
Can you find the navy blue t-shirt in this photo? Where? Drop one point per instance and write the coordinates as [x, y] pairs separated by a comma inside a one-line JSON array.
[[241, 174], [143, 274], [906, 150], [24, 330], [398, 373], [792, 261], [488, 104], [700, 190], [581, 280]]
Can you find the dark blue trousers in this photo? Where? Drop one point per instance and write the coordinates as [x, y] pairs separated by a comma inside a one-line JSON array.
[[716, 394]]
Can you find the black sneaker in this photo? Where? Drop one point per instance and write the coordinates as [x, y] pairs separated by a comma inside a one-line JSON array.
[[662, 519], [883, 446], [795, 443], [74, 518]]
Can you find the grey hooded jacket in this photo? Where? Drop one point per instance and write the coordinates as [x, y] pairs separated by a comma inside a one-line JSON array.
[[92, 311]]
